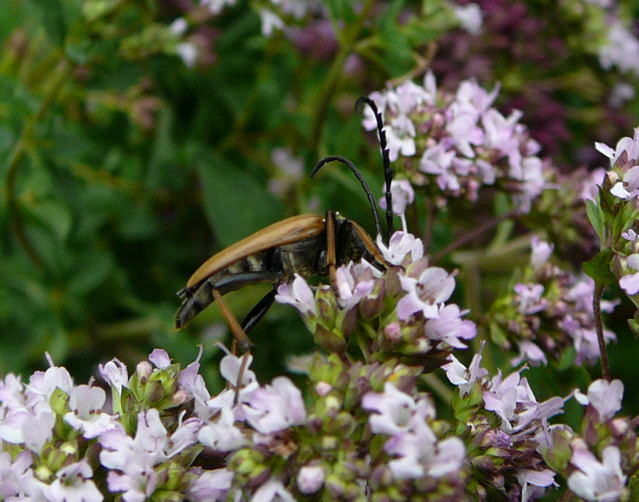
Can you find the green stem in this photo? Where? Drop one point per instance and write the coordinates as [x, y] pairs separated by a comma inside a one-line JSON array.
[[318, 118], [17, 153], [596, 309], [469, 236]]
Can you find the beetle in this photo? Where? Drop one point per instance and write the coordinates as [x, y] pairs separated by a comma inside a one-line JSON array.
[[306, 244]]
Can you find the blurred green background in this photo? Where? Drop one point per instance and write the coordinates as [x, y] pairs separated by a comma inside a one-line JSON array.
[[139, 137]]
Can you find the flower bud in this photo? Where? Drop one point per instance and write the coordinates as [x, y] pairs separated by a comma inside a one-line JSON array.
[[323, 388], [144, 369], [310, 479]]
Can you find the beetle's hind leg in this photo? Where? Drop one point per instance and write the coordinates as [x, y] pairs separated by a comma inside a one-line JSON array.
[[196, 299]]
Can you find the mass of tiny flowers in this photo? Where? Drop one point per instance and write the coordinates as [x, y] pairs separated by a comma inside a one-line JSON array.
[[456, 145], [363, 427]]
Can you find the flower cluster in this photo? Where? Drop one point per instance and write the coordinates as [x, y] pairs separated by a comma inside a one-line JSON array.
[[600, 459], [547, 311], [502, 418], [615, 210], [621, 48], [453, 145]]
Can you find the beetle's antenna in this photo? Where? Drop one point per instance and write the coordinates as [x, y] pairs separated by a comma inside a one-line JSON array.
[[360, 178], [388, 171]]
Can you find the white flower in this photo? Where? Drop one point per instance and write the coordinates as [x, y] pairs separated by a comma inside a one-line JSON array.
[[72, 484], [434, 286], [272, 491], [469, 17], [299, 294], [396, 410], [86, 415], [275, 407], [604, 396], [310, 479], [115, 374], [541, 251], [399, 246], [271, 22], [597, 481]]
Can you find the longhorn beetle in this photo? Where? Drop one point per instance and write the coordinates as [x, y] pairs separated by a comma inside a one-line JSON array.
[[306, 244]]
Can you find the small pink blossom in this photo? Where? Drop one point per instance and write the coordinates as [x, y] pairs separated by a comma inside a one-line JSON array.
[[597, 481], [464, 378], [73, 484], [396, 410], [272, 491], [160, 358], [424, 294], [541, 251], [299, 294], [115, 374], [402, 193], [630, 282], [310, 479], [87, 415], [210, 486], [603, 396], [275, 407], [400, 245]]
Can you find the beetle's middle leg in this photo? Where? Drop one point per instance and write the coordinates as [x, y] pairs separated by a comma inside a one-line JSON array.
[[240, 336]]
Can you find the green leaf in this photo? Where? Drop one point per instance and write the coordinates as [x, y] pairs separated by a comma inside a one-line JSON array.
[[595, 217], [235, 203], [341, 9], [53, 216], [598, 267], [53, 19]]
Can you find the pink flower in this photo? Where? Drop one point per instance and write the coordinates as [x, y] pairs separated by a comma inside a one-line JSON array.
[[400, 245], [402, 193], [597, 481], [86, 415], [115, 374], [354, 283], [396, 410], [160, 358], [464, 378], [434, 286], [603, 396], [72, 483], [541, 251], [630, 282], [310, 479], [298, 294], [210, 486], [449, 327], [275, 407], [272, 491]]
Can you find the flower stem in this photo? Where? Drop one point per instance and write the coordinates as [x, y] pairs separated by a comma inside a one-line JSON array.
[[596, 309], [472, 235]]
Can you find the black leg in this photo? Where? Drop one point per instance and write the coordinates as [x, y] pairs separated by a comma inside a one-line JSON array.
[[257, 312], [201, 296]]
